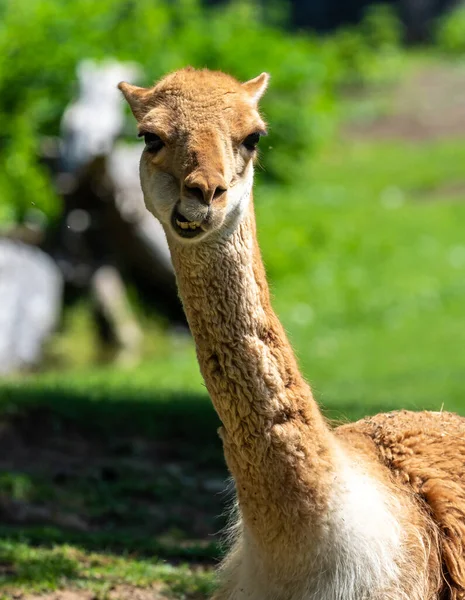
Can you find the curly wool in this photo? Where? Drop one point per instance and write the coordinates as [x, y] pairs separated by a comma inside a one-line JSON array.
[[426, 453]]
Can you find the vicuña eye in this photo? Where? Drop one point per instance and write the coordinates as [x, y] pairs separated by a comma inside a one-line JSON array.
[[251, 141], [153, 142]]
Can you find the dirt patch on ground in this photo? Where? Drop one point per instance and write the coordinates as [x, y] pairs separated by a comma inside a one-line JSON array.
[[429, 104]]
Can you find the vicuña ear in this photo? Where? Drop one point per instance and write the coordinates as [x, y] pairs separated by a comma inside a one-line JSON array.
[[137, 98], [256, 87]]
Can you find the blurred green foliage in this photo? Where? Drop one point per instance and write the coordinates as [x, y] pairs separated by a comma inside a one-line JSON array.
[[42, 41], [450, 34], [369, 53]]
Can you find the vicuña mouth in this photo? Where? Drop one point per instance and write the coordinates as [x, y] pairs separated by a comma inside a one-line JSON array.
[[184, 227]]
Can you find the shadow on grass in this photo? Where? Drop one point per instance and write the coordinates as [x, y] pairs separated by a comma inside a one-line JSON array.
[[123, 470], [116, 468], [161, 414]]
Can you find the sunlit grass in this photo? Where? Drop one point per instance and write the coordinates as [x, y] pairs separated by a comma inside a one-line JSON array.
[[46, 569], [367, 265]]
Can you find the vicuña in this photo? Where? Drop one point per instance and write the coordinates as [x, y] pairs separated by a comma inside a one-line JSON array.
[[369, 511]]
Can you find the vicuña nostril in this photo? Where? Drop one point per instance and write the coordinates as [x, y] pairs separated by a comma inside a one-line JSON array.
[[196, 192], [218, 192]]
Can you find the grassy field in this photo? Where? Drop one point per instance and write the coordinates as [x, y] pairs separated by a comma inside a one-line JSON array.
[[112, 480]]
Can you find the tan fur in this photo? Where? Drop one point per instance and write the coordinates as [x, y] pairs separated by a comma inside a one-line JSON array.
[[300, 535]]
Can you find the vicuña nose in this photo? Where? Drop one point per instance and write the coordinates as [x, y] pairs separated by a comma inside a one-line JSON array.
[[205, 190]]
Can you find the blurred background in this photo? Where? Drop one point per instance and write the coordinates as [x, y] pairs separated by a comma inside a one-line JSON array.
[[112, 479]]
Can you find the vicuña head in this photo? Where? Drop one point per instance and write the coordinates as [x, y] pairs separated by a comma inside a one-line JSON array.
[[201, 131]]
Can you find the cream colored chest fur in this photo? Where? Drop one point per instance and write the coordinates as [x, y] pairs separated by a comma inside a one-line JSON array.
[[358, 557]]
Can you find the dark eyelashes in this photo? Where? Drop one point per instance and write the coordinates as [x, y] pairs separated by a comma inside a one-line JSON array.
[[251, 141], [153, 142]]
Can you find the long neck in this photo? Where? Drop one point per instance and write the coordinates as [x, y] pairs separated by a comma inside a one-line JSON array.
[[276, 444]]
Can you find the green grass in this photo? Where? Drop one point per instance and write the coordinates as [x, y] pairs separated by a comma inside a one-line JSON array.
[[43, 569], [367, 266], [366, 260]]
